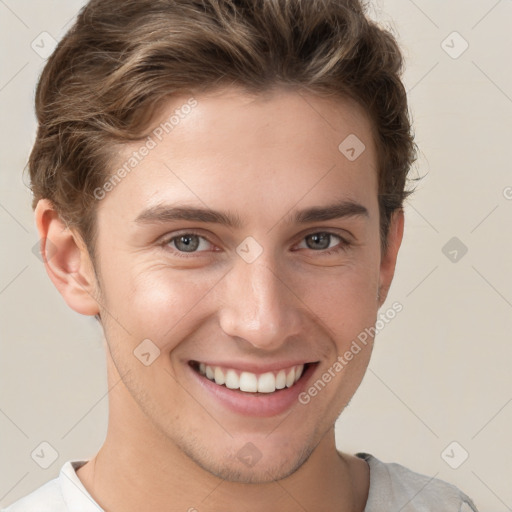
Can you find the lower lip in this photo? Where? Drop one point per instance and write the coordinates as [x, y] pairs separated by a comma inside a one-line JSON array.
[[256, 404]]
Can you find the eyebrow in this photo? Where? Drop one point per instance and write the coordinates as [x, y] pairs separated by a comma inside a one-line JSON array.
[[167, 213]]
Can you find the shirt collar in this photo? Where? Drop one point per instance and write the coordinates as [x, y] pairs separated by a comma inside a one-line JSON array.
[[73, 491]]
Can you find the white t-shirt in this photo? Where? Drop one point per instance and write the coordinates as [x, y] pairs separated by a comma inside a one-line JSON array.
[[392, 487]]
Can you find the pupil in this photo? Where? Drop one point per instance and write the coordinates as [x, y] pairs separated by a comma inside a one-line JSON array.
[[190, 243], [322, 239]]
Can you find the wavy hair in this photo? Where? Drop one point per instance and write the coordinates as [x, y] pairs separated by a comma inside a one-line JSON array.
[[122, 59]]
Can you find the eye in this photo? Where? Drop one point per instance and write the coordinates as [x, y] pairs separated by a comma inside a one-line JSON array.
[[190, 242], [187, 243], [322, 242]]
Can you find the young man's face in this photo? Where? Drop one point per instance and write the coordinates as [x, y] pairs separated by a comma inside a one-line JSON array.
[[268, 294]]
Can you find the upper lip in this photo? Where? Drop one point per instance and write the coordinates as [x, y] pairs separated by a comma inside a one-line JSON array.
[[257, 368]]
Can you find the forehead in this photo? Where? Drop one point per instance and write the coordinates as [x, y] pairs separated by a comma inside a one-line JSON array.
[[263, 120], [253, 151]]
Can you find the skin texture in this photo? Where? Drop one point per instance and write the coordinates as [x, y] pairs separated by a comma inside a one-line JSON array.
[[169, 446]]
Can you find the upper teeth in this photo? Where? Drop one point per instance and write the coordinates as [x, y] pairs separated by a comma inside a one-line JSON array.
[[250, 382]]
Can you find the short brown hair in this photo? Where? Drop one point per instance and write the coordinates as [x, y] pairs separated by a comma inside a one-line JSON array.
[[121, 59]]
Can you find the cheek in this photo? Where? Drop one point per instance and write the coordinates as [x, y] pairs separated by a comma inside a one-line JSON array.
[[156, 303], [344, 299]]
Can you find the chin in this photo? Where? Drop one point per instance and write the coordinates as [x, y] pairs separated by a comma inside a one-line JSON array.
[[248, 465], [260, 473]]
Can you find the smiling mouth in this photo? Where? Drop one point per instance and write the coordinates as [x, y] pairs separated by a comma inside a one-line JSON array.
[[248, 382]]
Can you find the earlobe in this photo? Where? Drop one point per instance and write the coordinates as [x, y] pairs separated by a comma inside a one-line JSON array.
[[389, 257], [66, 260]]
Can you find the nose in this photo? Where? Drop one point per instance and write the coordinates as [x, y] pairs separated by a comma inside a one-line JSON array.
[[258, 306]]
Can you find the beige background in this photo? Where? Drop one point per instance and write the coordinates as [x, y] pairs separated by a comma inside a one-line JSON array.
[[440, 370]]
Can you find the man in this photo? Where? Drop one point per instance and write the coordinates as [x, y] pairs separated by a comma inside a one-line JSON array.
[[221, 183]]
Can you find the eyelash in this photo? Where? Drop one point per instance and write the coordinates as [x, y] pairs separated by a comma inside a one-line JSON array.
[[342, 246]]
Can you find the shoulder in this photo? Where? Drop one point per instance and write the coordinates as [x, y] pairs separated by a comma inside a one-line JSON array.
[[47, 498], [62, 494], [396, 485]]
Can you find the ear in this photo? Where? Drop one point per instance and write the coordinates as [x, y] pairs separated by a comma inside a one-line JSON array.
[[389, 256], [66, 260]]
